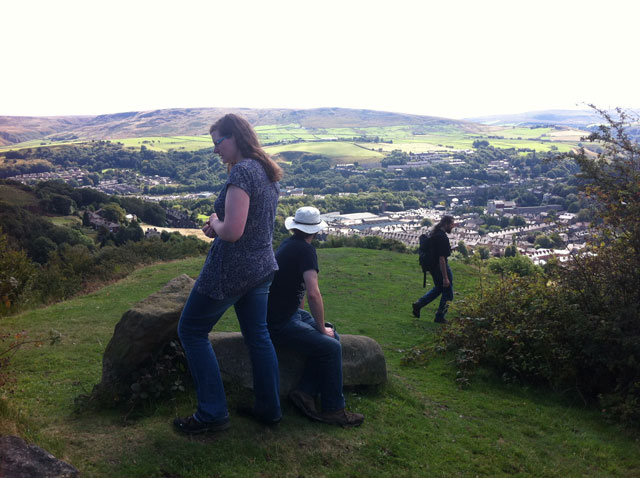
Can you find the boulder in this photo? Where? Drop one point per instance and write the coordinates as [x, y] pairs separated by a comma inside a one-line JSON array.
[[140, 335], [18, 459], [363, 362], [145, 330]]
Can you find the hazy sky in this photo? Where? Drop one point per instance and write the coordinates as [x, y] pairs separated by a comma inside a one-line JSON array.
[[443, 58]]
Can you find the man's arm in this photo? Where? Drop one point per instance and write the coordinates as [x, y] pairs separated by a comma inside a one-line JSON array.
[[443, 269], [316, 306]]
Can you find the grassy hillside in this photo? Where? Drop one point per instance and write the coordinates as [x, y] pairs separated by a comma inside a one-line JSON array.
[[17, 197], [314, 131], [338, 150], [419, 425], [195, 121], [16, 129]]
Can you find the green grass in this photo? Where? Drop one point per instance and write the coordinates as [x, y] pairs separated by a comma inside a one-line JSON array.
[[160, 143], [524, 133], [338, 150], [36, 143], [17, 197], [65, 220], [419, 425]]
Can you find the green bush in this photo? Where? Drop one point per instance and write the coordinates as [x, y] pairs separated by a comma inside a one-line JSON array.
[[16, 275], [367, 242], [518, 265], [575, 326], [517, 327]]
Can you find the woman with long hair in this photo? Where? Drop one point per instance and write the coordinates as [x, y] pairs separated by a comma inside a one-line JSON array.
[[238, 271]]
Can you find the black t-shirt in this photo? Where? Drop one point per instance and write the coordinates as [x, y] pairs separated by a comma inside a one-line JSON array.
[[441, 245], [295, 256]]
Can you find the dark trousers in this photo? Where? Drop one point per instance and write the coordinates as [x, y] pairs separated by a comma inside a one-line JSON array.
[[446, 293]]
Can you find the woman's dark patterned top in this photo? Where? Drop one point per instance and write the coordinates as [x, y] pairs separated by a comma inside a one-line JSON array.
[[232, 268]]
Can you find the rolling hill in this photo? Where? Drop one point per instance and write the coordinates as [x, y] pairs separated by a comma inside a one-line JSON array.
[[196, 121], [574, 118]]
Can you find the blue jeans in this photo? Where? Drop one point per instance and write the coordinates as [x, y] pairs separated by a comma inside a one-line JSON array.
[[322, 372], [447, 293], [198, 317]]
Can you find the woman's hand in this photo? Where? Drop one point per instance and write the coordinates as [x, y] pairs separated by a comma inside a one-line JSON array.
[[208, 229]]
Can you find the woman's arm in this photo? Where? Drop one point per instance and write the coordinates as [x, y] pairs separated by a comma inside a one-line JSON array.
[[236, 209]]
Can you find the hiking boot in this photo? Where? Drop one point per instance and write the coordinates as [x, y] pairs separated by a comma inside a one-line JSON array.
[[343, 418], [440, 320], [190, 426], [416, 310], [305, 403]]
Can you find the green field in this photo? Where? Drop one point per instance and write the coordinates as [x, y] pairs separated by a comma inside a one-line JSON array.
[[407, 138], [159, 143], [419, 425], [36, 143], [65, 220], [338, 150]]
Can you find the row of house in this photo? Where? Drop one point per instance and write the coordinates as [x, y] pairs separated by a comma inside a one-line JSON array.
[[405, 226]]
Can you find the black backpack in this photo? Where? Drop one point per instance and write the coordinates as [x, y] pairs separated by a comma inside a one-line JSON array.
[[425, 256]]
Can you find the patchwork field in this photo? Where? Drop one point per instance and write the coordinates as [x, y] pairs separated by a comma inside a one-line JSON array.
[[342, 145]]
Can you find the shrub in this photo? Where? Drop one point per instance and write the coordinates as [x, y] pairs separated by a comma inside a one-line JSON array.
[[367, 242], [518, 265], [517, 327], [16, 275], [574, 326]]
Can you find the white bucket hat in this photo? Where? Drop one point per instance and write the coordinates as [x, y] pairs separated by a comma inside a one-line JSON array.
[[307, 219]]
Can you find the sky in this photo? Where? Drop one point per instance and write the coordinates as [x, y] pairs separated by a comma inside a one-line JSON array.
[[449, 58]]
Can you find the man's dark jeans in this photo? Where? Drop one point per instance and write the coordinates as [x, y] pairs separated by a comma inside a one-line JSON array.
[[323, 367], [446, 293]]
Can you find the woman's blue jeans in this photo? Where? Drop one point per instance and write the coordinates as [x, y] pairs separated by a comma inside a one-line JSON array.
[[447, 292], [322, 372], [198, 317]]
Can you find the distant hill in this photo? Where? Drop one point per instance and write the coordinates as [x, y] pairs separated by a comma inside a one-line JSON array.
[[575, 118], [16, 129], [196, 121]]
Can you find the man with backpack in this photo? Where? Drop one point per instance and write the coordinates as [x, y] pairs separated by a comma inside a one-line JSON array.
[[434, 251]]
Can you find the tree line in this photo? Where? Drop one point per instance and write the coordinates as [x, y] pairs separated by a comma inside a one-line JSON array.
[[42, 262]]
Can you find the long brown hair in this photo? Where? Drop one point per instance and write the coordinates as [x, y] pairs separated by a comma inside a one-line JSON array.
[[247, 142], [443, 222]]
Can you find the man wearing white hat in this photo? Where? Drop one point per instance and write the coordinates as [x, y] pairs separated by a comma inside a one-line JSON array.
[[307, 333]]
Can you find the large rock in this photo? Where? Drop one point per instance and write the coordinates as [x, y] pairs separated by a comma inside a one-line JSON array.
[[140, 335], [18, 459], [152, 323], [363, 362]]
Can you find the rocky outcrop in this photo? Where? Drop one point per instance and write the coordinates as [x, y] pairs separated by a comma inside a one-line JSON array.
[[363, 362], [18, 459], [140, 335], [145, 330]]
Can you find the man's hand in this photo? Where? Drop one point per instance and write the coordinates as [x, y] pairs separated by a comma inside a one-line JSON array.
[[445, 282], [329, 331]]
